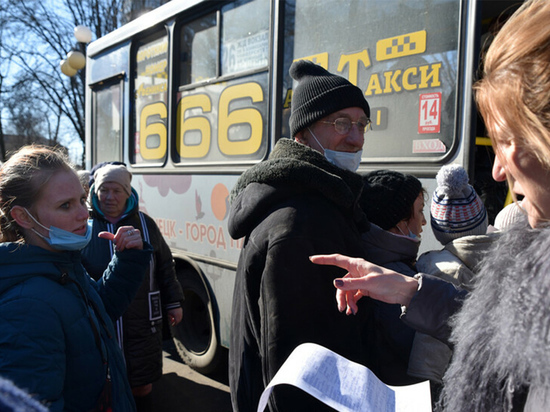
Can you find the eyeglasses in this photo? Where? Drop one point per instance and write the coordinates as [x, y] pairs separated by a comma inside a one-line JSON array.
[[343, 125]]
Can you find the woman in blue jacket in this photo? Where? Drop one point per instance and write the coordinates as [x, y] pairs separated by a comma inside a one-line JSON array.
[[57, 339]]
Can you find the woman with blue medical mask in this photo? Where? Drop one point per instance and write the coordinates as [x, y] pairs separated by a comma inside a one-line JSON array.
[[394, 204], [57, 337]]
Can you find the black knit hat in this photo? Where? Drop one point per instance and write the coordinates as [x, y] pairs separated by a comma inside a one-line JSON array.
[[388, 197], [320, 93]]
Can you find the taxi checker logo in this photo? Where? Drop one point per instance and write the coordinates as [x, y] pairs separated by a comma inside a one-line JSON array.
[[399, 46]]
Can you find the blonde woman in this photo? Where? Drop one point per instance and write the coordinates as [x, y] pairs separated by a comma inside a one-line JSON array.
[[501, 332]]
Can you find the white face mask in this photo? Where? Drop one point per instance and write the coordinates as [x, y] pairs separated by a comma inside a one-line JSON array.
[[344, 160]]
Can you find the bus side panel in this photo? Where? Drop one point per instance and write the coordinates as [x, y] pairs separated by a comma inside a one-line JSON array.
[[191, 212]]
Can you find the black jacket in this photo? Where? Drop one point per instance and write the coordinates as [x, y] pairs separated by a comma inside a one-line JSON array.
[[140, 330], [292, 206], [391, 336]]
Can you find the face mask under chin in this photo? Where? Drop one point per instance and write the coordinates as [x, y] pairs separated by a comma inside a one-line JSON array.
[[411, 235], [344, 160], [62, 240]]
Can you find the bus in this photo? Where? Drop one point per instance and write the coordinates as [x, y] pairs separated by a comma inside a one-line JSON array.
[[195, 92]]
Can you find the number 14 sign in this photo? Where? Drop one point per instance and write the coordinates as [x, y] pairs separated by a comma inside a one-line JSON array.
[[429, 116]]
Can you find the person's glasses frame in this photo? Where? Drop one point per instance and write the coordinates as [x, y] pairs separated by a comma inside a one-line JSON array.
[[343, 125]]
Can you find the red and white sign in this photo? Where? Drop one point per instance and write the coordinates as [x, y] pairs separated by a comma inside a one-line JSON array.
[[429, 115]]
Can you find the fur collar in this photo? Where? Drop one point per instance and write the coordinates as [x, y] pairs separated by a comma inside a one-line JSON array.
[[292, 169], [297, 164], [502, 333]]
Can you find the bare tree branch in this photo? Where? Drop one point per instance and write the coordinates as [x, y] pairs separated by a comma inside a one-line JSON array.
[[40, 36], [35, 35]]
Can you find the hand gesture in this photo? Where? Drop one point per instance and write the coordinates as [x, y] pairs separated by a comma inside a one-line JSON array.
[[367, 279], [126, 237]]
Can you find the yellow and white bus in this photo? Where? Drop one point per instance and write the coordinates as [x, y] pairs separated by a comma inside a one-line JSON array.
[[195, 92]]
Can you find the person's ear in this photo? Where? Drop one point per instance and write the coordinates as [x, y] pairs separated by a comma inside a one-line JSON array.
[[21, 217], [301, 138]]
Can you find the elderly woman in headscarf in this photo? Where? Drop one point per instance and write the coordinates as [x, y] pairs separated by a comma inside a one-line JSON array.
[[115, 203]]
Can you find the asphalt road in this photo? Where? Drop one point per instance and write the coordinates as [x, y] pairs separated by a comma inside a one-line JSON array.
[[183, 389]]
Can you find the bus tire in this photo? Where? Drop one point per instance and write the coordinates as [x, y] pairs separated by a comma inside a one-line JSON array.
[[195, 336]]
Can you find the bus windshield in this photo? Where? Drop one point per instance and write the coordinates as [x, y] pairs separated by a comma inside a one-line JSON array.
[[408, 70]]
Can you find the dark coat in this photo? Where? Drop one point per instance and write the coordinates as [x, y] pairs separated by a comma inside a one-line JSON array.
[[290, 207], [391, 336], [500, 332], [54, 318], [140, 333]]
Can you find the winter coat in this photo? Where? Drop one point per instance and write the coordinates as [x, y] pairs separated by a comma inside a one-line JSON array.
[[392, 338], [140, 329], [457, 263], [57, 325], [292, 206], [500, 336], [502, 330], [458, 260]]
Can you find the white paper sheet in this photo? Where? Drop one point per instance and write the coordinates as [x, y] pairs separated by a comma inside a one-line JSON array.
[[344, 385]]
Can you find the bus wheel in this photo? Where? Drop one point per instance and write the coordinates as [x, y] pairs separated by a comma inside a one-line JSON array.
[[195, 336]]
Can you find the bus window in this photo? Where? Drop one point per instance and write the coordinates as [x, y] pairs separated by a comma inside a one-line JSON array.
[[150, 82], [106, 129], [223, 121], [199, 45], [245, 46], [407, 70]]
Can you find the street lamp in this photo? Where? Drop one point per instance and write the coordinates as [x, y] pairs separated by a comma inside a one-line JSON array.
[[76, 59]]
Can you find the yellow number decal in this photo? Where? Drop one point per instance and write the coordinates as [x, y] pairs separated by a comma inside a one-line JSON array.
[[199, 123], [153, 128], [249, 116]]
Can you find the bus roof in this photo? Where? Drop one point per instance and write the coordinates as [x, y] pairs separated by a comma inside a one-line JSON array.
[[140, 24]]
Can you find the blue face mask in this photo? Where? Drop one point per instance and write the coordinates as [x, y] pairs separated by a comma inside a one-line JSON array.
[[61, 239], [411, 235], [344, 160]]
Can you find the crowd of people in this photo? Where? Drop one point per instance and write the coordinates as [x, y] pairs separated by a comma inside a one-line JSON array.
[[498, 330], [85, 277]]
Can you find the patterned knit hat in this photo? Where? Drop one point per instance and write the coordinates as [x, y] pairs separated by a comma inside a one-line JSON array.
[[456, 210], [320, 93], [388, 197]]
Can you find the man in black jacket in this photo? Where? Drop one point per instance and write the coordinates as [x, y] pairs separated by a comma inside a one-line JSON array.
[[302, 201]]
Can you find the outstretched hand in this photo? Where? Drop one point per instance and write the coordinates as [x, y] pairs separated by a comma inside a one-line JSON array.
[[126, 237], [367, 279]]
